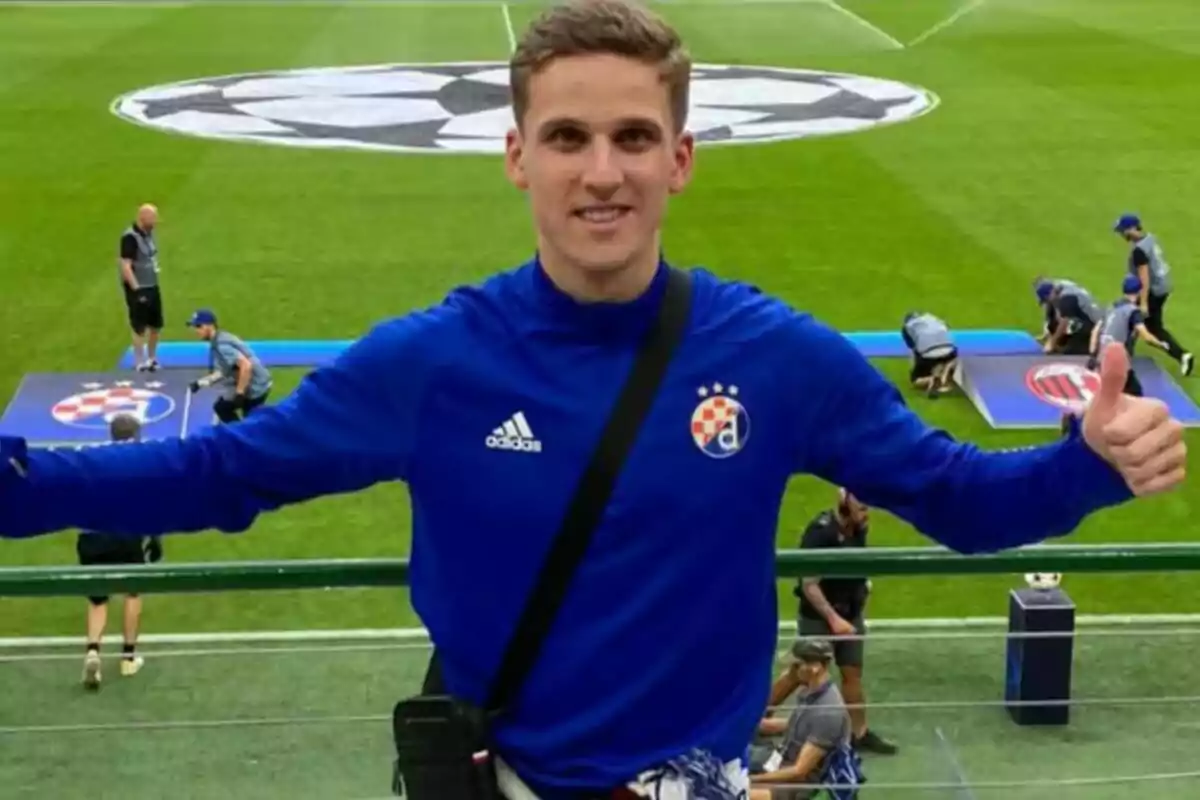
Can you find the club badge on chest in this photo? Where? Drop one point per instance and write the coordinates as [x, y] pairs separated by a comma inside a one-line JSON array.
[[720, 423]]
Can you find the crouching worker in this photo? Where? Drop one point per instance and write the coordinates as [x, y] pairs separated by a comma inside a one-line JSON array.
[[933, 352], [99, 549], [244, 380], [815, 749], [1124, 323], [1074, 314]]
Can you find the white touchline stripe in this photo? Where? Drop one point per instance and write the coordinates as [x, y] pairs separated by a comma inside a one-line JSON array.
[[880, 32], [947, 22], [409, 634], [508, 26]]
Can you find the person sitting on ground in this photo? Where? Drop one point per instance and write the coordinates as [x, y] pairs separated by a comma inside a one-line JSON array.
[[816, 747]]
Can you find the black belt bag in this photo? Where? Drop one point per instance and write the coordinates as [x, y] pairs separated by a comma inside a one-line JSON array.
[[442, 750], [443, 747]]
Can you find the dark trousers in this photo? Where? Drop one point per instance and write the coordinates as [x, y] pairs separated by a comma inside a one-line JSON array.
[[1154, 324], [228, 410], [1078, 343]]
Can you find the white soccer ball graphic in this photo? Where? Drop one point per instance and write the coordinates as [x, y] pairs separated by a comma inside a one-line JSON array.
[[1043, 580]]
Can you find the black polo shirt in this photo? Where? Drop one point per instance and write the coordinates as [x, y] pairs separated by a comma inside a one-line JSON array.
[[848, 596], [129, 246]]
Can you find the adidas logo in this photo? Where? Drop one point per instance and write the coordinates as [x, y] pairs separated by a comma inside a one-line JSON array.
[[514, 434]]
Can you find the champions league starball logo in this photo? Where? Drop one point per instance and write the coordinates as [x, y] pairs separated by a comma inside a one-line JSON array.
[[98, 405], [720, 424], [1070, 387], [465, 107]]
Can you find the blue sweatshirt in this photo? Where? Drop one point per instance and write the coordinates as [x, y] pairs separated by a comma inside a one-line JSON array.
[[677, 598]]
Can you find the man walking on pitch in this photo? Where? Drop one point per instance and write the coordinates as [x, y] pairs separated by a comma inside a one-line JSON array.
[[99, 549], [1148, 264], [139, 281], [671, 397], [835, 608], [245, 382]]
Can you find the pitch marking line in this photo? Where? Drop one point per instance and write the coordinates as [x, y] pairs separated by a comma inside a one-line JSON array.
[[508, 27], [864, 23], [947, 22], [960, 775]]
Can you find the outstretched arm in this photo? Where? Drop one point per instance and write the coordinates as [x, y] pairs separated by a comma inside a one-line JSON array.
[[856, 431], [349, 425]]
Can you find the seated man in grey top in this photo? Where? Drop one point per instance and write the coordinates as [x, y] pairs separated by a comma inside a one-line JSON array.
[[816, 748]]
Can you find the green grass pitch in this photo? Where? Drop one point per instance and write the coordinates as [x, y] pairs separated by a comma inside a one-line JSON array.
[[1054, 116]]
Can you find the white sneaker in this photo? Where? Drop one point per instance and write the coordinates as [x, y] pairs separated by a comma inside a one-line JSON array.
[[143, 366], [131, 666], [1185, 363], [91, 671]]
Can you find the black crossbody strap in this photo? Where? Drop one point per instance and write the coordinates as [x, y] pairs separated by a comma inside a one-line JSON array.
[[594, 490]]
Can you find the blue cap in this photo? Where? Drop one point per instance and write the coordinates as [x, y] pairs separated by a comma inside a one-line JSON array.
[[203, 316], [1131, 285], [1126, 222], [1043, 290]]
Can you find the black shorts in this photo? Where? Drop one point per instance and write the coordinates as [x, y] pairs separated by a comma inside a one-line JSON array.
[[923, 367], [145, 309], [229, 411], [846, 652], [98, 549]]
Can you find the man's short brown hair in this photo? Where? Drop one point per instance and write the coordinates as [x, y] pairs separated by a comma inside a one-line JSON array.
[[590, 27], [125, 428]]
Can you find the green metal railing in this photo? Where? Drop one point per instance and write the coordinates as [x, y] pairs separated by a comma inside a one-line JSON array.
[[283, 575]]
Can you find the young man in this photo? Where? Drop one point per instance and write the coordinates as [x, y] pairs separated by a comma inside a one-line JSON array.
[[816, 748], [933, 352], [1148, 264], [835, 607], [1043, 288], [103, 549], [1124, 323], [244, 380], [600, 97], [139, 280], [1072, 312]]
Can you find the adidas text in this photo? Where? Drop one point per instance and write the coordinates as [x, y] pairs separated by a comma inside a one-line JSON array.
[[514, 443]]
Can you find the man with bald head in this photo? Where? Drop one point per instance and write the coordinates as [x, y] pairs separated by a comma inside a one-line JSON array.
[[139, 279]]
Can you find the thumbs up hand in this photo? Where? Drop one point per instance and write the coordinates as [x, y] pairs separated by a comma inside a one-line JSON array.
[[1136, 435]]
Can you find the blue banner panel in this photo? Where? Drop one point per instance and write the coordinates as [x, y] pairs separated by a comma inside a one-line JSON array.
[[1035, 391], [73, 410]]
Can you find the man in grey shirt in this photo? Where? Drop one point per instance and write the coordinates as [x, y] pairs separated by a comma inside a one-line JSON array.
[[139, 281], [1075, 313], [815, 748], [245, 382], [1148, 264], [934, 354]]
